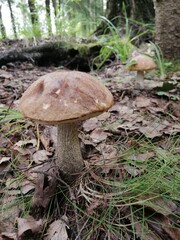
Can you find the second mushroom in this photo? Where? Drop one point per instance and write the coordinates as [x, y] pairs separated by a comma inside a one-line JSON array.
[[141, 64]]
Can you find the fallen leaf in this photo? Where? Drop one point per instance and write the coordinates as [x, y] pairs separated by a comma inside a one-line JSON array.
[[133, 171], [90, 124], [29, 223], [5, 75], [93, 205], [45, 141], [25, 142], [160, 205], [57, 231], [40, 156], [98, 135], [8, 236], [142, 156], [9, 212], [153, 129], [4, 160], [142, 102], [121, 109], [107, 151], [127, 126], [104, 116], [44, 188], [27, 186]]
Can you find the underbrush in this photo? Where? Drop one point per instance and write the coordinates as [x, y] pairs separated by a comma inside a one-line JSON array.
[[133, 196]]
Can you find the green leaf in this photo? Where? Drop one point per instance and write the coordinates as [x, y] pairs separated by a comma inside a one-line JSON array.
[[131, 63]]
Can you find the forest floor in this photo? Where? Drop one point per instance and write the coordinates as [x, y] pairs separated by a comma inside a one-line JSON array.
[[130, 187]]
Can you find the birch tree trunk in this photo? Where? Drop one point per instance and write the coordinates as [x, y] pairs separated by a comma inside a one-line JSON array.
[[12, 18], [2, 27], [168, 27]]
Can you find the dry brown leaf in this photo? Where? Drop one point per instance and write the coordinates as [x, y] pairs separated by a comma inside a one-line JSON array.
[[174, 233], [142, 156], [4, 160], [98, 135], [40, 156], [107, 151], [150, 132], [134, 117], [45, 141], [143, 232], [27, 186], [57, 231], [121, 109], [10, 208], [8, 236], [6, 75], [165, 207], [133, 171], [9, 212], [150, 84], [4, 166], [25, 142], [104, 116], [93, 205], [29, 223], [142, 102], [90, 124], [127, 126], [43, 194]]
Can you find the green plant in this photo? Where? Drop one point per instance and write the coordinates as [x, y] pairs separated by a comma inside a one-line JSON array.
[[122, 204], [161, 63], [7, 115], [120, 46]]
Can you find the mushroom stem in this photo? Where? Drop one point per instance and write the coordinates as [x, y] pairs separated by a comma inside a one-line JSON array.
[[69, 158], [139, 80]]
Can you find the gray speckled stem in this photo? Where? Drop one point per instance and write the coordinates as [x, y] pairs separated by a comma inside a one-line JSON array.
[[139, 80], [69, 158]]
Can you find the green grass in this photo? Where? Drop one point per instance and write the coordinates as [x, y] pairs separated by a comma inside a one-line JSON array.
[[114, 44], [121, 206]]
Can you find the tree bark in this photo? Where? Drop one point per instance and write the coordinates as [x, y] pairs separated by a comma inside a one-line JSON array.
[[2, 28], [168, 27], [32, 8], [55, 7], [117, 12], [48, 16], [12, 19], [34, 18]]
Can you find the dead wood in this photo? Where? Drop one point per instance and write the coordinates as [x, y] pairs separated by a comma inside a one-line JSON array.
[[77, 56]]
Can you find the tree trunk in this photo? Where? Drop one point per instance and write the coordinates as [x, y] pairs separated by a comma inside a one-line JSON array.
[[54, 3], [118, 11], [32, 8], [2, 28], [168, 27], [12, 19], [141, 10], [48, 16], [34, 18]]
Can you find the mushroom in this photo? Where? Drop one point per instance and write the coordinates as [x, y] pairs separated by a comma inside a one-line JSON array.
[[140, 64], [65, 98]]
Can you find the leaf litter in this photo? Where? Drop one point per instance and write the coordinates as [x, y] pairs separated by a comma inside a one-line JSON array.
[[135, 114]]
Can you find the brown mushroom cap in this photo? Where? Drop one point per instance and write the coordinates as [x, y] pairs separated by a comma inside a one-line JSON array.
[[65, 96], [143, 63]]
